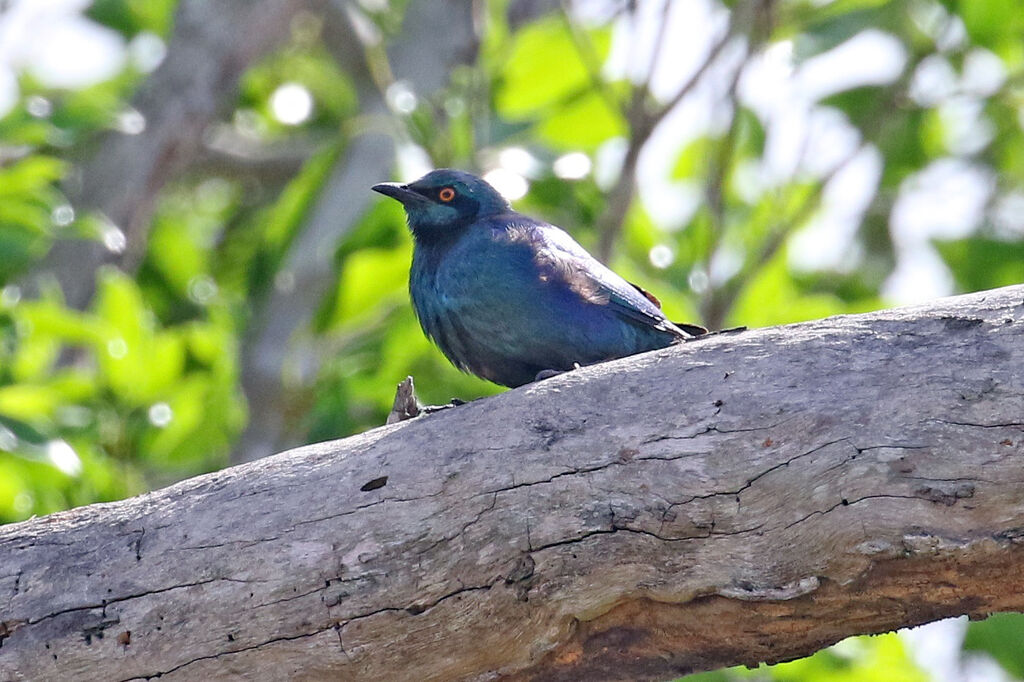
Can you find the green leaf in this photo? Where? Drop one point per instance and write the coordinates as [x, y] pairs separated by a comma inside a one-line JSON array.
[[371, 278], [774, 297], [586, 123], [19, 128], [1002, 637], [19, 248], [832, 28], [30, 174], [35, 356], [545, 67], [694, 159], [178, 258], [21, 431], [132, 16], [50, 318], [27, 401], [139, 363], [980, 263], [315, 69], [995, 24], [861, 659]]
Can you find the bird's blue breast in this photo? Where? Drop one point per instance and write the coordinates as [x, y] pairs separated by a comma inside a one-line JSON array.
[[505, 300]]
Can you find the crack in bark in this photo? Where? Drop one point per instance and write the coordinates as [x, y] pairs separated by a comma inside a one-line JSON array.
[[750, 482], [714, 428], [282, 638], [672, 505], [361, 507], [293, 597], [339, 627], [415, 609], [116, 600], [960, 479], [226, 543], [138, 543], [781, 465], [894, 446], [465, 527], [655, 458], [550, 479], [638, 531], [1007, 425], [849, 503]]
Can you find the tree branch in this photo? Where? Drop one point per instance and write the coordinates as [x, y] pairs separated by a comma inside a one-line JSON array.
[[642, 124], [792, 485], [230, 154]]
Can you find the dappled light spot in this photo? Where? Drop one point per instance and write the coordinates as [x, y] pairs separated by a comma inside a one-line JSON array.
[[401, 98], [160, 414], [511, 185], [572, 166], [292, 104], [63, 456], [662, 256]]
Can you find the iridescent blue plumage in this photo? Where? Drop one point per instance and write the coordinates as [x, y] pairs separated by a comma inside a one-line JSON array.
[[506, 296]]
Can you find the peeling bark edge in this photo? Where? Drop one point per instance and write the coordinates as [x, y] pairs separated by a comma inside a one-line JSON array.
[[644, 639], [734, 500]]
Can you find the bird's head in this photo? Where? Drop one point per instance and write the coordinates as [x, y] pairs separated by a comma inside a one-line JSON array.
[[444, 201]]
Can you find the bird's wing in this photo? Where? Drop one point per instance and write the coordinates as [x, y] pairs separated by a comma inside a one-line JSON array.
[[559, 255], [691, 329]]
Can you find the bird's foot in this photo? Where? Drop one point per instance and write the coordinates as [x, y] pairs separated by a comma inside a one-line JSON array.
[[548, 373], [431, 409]]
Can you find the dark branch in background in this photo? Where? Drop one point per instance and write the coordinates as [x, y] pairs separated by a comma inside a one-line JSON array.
[[212, 45], [777, 483], [228, 154], [642, 119], [716, 304], [589, 56], [643, 93], [718, 169]]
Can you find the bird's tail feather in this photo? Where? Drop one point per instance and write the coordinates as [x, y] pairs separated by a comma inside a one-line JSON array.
[[692, 329]]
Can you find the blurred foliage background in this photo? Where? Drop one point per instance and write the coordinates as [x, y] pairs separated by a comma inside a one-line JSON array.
[[193, 271]]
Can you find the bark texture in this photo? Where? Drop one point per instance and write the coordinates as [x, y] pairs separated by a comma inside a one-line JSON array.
[[739, 499]]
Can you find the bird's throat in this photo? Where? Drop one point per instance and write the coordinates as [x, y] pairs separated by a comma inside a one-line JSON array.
[[440, 237]]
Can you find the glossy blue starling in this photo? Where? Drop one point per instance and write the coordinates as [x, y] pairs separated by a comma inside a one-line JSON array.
[[511, 298]]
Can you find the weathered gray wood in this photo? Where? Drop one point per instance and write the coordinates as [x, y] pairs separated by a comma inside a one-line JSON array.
[[744, 498]]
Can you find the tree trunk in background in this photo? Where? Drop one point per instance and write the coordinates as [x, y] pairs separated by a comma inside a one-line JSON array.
[[744, 498], [212, 46]]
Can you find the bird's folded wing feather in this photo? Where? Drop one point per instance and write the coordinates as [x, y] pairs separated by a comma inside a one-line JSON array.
[[558, 254]]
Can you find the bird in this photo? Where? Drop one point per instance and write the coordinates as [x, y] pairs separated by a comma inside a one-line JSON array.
[[513, 299]]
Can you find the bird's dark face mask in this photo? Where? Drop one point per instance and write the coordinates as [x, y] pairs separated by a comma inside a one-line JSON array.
[[434, 212]]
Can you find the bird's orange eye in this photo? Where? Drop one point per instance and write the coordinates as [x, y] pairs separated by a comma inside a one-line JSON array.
[[446, 194]]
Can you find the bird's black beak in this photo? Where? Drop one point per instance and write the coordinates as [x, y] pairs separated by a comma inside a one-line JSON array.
[[399, 192]]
